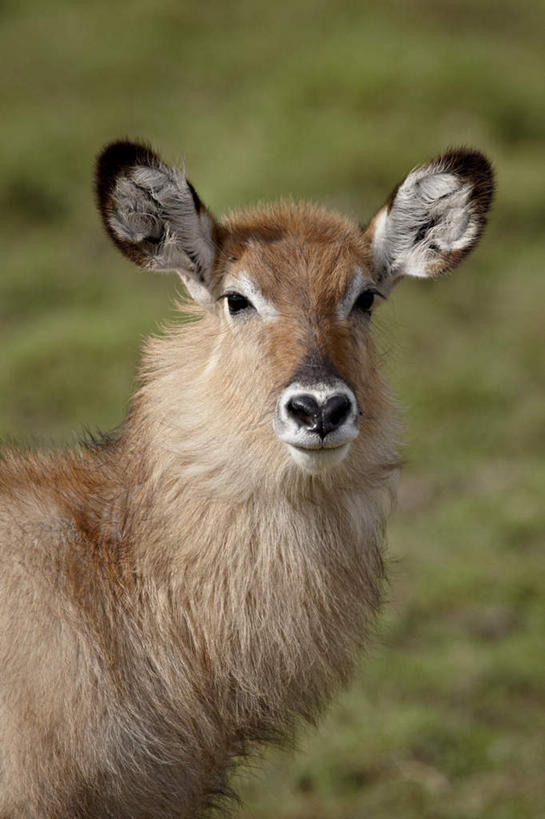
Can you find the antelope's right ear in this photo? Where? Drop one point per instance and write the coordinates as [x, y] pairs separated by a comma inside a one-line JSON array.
[[154, 216]]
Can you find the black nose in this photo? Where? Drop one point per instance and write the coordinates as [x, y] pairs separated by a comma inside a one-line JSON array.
[[305, 410], [335, 412]]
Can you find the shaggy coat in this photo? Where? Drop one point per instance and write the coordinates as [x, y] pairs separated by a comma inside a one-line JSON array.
[[175, 596]]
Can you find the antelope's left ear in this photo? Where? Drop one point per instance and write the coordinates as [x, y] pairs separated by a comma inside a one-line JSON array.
[[433, 218]]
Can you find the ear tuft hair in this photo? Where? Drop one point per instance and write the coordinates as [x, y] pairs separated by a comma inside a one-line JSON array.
[[155, 216], [115, 162], [473, 167], [434, 218]]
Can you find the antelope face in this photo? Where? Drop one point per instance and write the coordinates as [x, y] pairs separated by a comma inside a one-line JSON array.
[[290, 289], [300, 304]]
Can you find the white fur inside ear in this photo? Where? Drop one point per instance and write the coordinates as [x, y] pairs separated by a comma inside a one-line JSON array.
[[431, 215], [156, 206]]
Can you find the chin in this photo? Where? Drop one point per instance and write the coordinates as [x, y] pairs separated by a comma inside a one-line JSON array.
[[318, 460]]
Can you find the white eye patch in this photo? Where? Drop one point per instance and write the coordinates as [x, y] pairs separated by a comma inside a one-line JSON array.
[[248, 288], [356, 286]]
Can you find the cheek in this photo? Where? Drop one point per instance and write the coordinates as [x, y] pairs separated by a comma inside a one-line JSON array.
[[350, 350], [354, 355], [242, 380], [372, 393]]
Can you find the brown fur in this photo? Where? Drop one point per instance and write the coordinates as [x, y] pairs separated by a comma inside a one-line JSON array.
[[174, 598]]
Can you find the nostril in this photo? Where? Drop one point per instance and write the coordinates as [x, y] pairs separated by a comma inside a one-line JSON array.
[[335, 412], [305, 411]]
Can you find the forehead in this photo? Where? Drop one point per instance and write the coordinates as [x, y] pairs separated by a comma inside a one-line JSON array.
[[296, 251]]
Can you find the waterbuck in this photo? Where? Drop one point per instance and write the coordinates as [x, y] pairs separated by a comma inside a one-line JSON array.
[[179, 594]]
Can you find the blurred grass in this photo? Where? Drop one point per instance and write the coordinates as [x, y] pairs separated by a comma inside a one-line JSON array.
[[332, 101]]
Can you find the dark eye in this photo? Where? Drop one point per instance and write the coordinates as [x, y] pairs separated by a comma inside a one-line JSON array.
[[364, 302], [236, 303]]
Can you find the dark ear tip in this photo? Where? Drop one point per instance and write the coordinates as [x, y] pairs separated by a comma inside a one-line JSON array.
[[474, 166]]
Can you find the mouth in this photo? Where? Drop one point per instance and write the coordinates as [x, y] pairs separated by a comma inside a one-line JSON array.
[[318, 459]]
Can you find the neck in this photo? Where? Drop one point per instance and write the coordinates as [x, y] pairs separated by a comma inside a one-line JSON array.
[[259, 578]]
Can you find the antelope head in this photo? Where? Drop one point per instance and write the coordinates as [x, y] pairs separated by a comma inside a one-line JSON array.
[[289, 290]]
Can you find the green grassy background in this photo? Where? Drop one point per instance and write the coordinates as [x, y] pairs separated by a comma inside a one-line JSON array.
[[332, 101]]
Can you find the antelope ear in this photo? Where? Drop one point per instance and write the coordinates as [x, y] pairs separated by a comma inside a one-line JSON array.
[[434, 218], [154, 216]]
